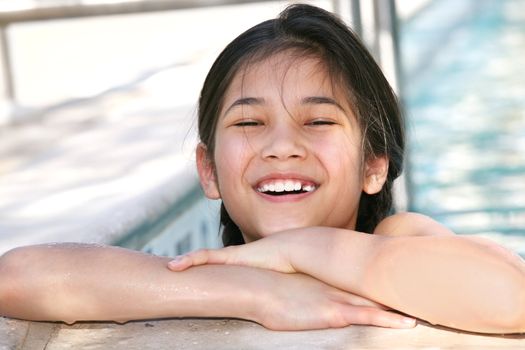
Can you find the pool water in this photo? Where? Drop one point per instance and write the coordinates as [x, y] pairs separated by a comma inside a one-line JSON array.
[[464, 92]]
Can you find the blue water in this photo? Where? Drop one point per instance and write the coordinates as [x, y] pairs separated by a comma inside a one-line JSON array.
[[464, 91]]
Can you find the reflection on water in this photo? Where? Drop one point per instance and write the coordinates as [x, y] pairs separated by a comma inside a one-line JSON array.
[[466, 108]]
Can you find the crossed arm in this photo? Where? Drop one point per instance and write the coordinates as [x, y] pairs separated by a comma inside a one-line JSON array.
[[419, 268], [70, 282], [310, 278]]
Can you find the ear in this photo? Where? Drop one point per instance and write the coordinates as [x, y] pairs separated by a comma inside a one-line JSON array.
[[376, 171], [206, 172]]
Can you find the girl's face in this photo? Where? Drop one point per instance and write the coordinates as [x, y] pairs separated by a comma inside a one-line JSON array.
[[288, 150]]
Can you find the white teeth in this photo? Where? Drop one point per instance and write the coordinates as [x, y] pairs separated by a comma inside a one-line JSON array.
[[308, 188], [286, 185]]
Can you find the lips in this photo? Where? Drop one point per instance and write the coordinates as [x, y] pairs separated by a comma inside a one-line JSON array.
[[275, 186]]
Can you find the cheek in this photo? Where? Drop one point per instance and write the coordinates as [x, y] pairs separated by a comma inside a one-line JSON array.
[[341, 155], [342, 161], [231, 158]]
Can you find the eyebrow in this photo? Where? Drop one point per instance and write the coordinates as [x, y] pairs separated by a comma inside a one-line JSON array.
[[245, 101], [315, 100], [321, 100]]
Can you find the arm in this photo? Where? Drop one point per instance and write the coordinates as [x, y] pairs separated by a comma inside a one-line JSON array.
[[70, 282], [73, 282], [456, 281]]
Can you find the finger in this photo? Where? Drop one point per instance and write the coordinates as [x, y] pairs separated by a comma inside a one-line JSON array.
[[180, 263], [199, 257], [358, 300], [377, 317]]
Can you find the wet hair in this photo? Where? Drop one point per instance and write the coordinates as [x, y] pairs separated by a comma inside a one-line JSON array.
[[313, 31]]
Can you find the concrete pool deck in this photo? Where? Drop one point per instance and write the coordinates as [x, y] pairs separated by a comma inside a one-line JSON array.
[[218, 334]]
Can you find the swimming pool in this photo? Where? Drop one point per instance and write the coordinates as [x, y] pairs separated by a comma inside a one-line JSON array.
[[192, 222], [465, 99]]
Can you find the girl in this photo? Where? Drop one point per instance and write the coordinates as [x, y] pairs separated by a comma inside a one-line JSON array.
[[301, 138]]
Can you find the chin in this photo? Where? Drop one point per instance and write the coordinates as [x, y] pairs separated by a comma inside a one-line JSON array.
[[269, 230]]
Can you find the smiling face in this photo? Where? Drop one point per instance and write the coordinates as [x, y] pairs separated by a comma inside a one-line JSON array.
[[287, 150]]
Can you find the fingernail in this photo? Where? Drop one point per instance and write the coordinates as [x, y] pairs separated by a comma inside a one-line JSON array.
[[409, 322], [175, 260]]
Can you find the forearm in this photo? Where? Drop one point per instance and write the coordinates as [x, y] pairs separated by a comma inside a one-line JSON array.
[[338, 257], [454, 281], [449, 280], [67, 283]]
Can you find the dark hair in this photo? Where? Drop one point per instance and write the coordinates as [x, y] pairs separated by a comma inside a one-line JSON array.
[[314, 31]]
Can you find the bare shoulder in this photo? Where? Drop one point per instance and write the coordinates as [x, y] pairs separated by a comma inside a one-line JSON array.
[[411, 224]]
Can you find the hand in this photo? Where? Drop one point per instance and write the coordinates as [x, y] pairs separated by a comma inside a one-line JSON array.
[[300, 302], [294, 301], [269, 253]]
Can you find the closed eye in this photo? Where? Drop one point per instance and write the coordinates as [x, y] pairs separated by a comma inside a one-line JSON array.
[[243, 123], [318, 122]]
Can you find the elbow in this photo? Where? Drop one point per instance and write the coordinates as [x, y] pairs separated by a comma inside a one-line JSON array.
[[11, 281], [500, 300], [26, 292], [509, 315], [20, 283], [515, 323], [513, 296], [511, 320], [498, 313], [519, 325]]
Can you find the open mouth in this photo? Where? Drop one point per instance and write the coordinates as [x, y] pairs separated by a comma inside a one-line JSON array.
[[286, 187]]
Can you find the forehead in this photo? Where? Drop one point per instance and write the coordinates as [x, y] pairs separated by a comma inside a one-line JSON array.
[[285, 74]]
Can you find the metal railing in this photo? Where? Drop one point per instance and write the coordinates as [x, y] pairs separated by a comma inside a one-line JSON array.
[[382, 25], [67, 9], [63, 9]]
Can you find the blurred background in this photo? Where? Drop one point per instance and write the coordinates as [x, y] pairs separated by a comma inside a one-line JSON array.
[[97, 110]]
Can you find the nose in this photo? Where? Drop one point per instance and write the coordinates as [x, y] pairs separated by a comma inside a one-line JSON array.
[[284, 141]]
